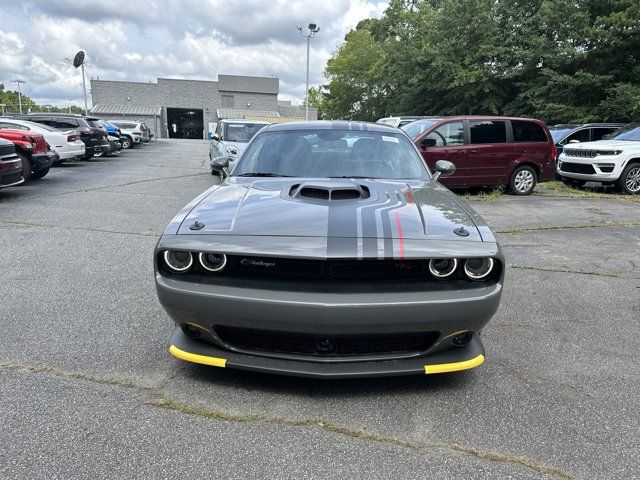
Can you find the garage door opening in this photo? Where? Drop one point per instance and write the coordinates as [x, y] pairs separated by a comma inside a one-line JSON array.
[[185, 123]]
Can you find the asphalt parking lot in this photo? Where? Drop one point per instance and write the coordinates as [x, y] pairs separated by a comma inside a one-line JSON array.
[[88, 388]]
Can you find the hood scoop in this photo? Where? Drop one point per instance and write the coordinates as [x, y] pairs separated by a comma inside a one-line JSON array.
[[329, 192]]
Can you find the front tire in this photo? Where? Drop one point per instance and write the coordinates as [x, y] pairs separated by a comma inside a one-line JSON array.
[[629, 181], [40, 173], [523, 180], [26, 167], [127, 142]]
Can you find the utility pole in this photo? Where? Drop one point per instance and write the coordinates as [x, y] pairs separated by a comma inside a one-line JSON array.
[[18, 81], [313, 29], [84, 88]]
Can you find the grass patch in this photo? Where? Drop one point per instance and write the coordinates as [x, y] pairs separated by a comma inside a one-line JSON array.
[[560, 189]]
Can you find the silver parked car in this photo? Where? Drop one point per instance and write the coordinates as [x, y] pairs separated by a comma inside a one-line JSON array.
[[231, 138]]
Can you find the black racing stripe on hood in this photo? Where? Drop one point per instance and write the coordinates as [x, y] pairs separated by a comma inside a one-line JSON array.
[[386, 222], [342, 229]]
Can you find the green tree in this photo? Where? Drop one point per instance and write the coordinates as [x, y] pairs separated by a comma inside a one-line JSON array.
[[558, 60]]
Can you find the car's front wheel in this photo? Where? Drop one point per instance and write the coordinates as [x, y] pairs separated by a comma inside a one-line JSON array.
[[629, 181], [523, 180], [26, 167], [40, 173], [126, 142]]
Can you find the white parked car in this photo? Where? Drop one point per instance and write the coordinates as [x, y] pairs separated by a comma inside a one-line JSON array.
[[132, 132], [615, 161], [66, 144]]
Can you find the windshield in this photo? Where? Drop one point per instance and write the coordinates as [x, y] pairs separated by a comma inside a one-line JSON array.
[[332, 153], [240, 132], [414, 129], [93, 123], [630, 132], [42, 126], [558, 134]]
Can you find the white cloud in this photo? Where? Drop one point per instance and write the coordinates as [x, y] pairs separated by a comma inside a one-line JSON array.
[[146, 39]]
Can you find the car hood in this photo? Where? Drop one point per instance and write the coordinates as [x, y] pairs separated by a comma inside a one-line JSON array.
[[604, 144], [393, 210]]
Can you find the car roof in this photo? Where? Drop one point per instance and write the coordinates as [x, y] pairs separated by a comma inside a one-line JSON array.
[[583, 125], [333, 125], [242, 120]]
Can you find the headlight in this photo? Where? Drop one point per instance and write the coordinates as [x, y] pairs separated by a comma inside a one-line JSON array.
[[442, 267], [478, 268], [178, 261], [610, 153], [231, 150], [212, 262]]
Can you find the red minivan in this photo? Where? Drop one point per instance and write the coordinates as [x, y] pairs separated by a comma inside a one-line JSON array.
[[488, 151]]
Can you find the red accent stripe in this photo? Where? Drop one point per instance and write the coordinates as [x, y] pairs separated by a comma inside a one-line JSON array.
[[400, 234]]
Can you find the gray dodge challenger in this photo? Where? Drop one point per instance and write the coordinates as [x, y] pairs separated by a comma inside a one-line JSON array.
[[330, 251]]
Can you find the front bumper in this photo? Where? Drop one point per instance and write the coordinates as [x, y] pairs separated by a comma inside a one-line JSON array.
[[452, 360], [10, 171], [600, 165], [43, 160], [328, 314]]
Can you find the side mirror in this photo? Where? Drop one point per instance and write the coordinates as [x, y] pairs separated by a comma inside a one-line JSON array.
[[444, 167], [574, 141], [428, 142], [215, 137], [220, 165]]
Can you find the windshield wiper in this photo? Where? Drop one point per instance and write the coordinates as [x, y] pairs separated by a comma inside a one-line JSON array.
[[352, 176], [262, 174]]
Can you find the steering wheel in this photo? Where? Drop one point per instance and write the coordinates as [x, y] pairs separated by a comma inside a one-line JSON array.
[[444, 142], [383, 170]]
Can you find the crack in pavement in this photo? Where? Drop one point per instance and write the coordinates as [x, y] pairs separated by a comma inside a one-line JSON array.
[[226, 416], [566, 270], [103, 187], [517, 230], [78, 229]]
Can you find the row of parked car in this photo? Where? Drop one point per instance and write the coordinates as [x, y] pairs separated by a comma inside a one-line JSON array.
[[31, 144], [520, 152]]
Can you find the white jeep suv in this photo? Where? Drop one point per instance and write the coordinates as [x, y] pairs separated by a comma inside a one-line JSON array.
[[615, 161]]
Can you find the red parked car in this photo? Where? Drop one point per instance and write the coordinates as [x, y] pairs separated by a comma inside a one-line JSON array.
[[32, 150], [10, 165], [488, 151]]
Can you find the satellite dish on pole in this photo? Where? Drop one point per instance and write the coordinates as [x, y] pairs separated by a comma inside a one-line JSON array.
[[78, 59]]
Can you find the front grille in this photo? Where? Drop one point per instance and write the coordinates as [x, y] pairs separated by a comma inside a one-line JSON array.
[[329, 345], [581, 153], [331, 269], [11, 179], [577, 168]]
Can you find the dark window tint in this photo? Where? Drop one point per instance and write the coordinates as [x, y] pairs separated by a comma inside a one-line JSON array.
[[579, 136], [527, 132], [598, 133], [63, 123], [43, 120], [488, 131]]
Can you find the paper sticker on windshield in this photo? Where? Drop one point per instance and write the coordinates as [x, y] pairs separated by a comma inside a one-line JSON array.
[[390, 139]]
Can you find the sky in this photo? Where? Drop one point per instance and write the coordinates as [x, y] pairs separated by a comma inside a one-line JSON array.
[[141, 40]]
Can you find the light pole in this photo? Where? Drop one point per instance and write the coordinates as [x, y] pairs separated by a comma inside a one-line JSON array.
[[18, 81], [84, 88], [313, 29]]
